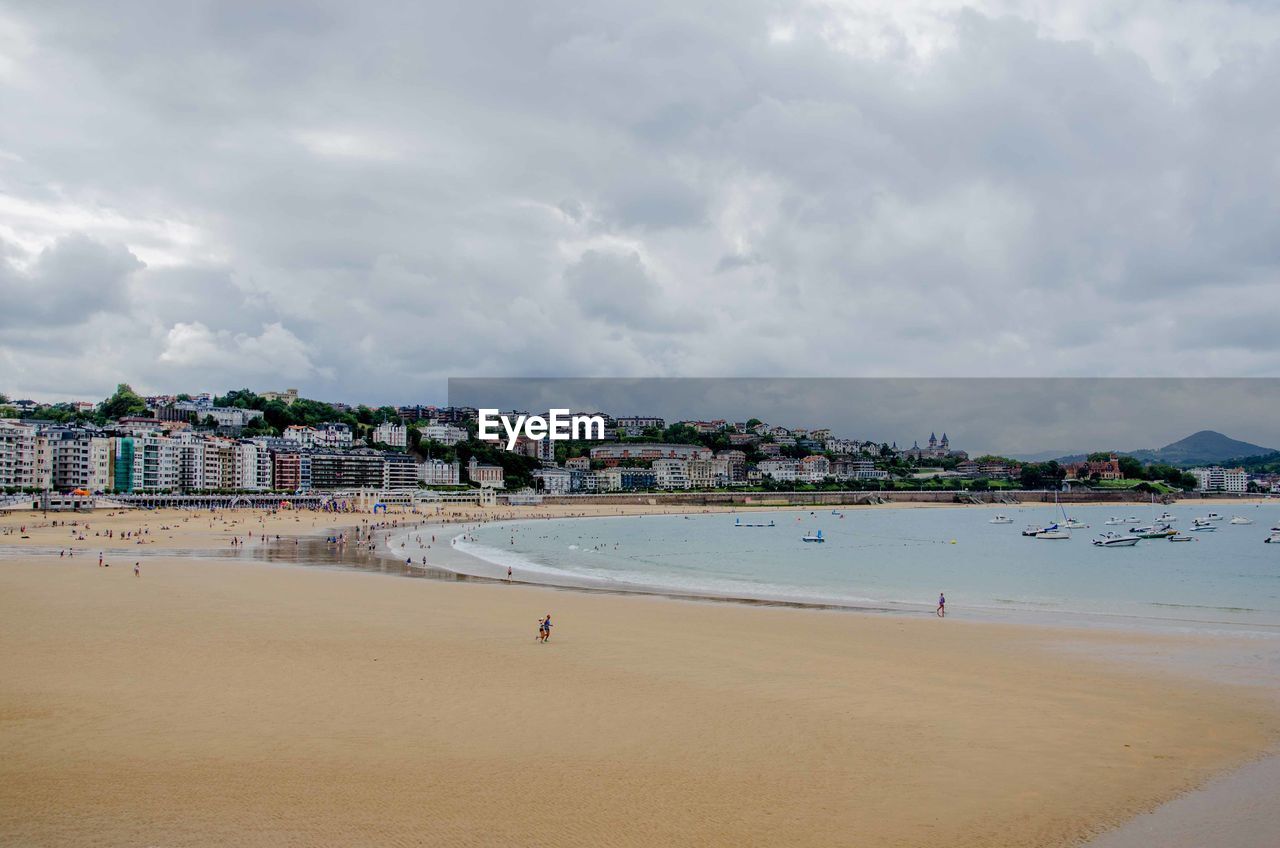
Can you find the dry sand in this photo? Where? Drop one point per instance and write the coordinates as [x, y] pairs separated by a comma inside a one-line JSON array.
[[235, 703]]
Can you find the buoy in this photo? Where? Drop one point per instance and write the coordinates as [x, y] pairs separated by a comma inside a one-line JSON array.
[[953, 541]]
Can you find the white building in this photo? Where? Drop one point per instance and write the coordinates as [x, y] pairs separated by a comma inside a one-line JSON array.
[[671, 474], [333, 435], [437, 472], [1219, 479], [554, 481], [445, 434], [304, 437], [815, 468], [782, 470], [394, 435], [635, 425]]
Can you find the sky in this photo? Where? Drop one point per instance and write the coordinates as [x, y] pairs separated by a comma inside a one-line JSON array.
[[363, 200]]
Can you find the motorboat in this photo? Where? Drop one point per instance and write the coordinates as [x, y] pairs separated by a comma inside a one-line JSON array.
[[1054, 534], [1167, 517], [1072, 524], [1273, 539], [1001, 519], [1115, 540], [1203, 528], [1159, 533], [1113, 521], [1240, 519], [1214, 516], [1201, 522], [813, 537], [1133, 519], [1144, 529], [1181, 537]]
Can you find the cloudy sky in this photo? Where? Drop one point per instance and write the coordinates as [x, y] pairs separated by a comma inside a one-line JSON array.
[[361, 200]]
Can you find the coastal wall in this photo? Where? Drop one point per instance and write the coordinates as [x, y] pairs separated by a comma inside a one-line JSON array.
[[849, 498]]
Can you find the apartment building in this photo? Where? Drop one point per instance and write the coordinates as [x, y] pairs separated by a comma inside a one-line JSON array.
[[445, 434], [671, 474], [392, 435], [1219, 479], [437, 472]]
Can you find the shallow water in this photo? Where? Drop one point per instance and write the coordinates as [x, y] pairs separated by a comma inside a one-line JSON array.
[[905, 557]]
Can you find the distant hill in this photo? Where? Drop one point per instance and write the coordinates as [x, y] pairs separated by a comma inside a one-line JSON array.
[[1204, 448]]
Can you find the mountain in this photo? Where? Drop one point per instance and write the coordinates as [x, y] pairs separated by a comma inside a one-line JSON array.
[[1207, 447]]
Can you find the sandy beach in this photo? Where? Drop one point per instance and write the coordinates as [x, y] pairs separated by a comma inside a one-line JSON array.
[[240, 703]]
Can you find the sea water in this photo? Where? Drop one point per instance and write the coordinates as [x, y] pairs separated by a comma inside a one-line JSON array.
[[904, 557]]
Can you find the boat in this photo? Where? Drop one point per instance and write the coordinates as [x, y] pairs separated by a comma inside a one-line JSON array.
[[1036, 531], [1113, 521], [1133, 520], [812, 537], [1001, 519], [1115, 540], [737, 522], [1167, 517], [1054, 534], [1203, 528], [1240, 519], [1214, 516], [1159, 533], [1181, 537], [1273, 539], [1201, 522], [1144, 529], [1072, 524]]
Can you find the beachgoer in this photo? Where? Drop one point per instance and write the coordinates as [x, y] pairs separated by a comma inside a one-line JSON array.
[[544, 629], [508, 574], [137, 569], [942, 605]]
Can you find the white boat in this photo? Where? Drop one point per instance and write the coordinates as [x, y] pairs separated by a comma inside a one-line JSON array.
[[812, 537], [1113, 521], [1203, 528], [1200, 522], [1115, 540], [1181, 537], [1072, 524], [1214, 516], [1167, 518], [1273, 539], [1133, 520], [1240, 519], [1036, 531], [1001, 519]]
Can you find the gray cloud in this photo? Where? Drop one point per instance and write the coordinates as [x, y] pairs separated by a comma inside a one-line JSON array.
[[370, 203]]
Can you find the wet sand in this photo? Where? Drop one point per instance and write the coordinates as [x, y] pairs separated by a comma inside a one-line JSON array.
[[228, 701]]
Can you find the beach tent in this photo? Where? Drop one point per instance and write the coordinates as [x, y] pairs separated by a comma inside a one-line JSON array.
[[379, 506]]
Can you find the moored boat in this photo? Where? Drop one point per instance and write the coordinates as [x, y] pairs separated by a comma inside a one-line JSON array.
[[1240, 519], [1115, 540], [1001, 519]]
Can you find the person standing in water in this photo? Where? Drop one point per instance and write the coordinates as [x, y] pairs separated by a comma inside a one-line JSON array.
[[508, 574], [942, 605]]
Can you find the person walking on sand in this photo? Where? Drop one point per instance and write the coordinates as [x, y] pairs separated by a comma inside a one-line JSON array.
[[942, 605], [137, 569], [544, 629]]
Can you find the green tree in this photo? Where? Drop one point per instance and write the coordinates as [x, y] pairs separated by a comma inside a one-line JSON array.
[[124, 403]]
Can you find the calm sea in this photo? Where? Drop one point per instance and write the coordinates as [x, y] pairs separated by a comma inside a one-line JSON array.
[[902, 558]]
